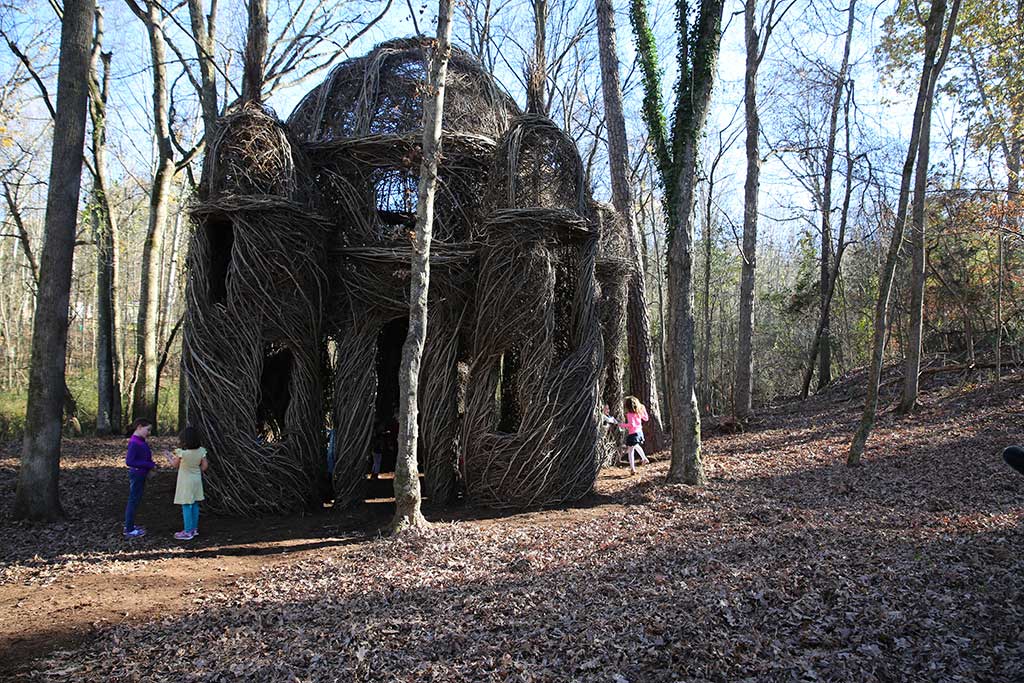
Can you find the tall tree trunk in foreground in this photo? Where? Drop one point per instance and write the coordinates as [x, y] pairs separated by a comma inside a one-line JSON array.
[[697, 55], [144, 398], [929, 74], [37, 496], [638, 325], [407, 482]]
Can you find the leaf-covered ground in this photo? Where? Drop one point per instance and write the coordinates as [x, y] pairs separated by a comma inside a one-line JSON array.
[[787, 566]]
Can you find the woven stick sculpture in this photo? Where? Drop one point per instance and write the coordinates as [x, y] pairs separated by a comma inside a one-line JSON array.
[[297, 296]]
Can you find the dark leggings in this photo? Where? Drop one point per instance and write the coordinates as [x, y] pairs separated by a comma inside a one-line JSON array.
[[1014, 457]]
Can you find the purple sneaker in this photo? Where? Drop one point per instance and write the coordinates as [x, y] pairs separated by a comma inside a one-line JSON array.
[[137, 532], [184, 535]]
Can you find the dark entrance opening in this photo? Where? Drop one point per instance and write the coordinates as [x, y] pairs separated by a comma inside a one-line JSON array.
[[220, 236], [275, 392], [390, 340]]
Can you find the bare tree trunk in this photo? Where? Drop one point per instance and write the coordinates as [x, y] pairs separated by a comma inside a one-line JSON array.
[[912, 370], [37, 496], [536, 70], [743, 399], [825, 355], [999, 307], [686, 465], [204, 32], [705, 352], [144, 395], [641, 361], [255, 51], [11, 196], [929, 74], [108, 411], [407, 482], [821, 332], [822, 336]]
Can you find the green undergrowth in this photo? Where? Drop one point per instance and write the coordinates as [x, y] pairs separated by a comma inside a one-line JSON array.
[[83, 388]]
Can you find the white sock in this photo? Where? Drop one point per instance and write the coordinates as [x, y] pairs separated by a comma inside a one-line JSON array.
[[632, 461]]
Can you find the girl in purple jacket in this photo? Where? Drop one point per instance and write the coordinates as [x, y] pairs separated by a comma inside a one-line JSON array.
[[140, 463]]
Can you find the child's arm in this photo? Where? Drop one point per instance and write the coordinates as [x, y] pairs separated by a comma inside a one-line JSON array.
[[172, 459], [643, 412], [203, 464]]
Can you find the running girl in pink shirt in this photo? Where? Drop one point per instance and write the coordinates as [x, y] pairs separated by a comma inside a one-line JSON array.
[[636, 415]]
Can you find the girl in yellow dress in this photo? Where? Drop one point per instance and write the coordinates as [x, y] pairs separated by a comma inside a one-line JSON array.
[[191, 462]]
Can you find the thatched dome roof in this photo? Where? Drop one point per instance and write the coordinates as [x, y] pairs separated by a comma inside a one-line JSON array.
[[381, 93]]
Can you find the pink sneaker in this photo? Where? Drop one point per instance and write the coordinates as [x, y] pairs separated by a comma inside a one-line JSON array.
[[183, 536]]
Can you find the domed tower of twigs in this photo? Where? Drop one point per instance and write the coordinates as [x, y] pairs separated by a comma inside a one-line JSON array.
[[298, 295]]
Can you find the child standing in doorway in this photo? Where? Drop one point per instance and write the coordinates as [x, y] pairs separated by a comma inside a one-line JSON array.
[[190, 459], [636, 415], [140, 465]]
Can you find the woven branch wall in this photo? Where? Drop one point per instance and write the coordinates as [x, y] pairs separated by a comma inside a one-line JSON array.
[[298, 295]]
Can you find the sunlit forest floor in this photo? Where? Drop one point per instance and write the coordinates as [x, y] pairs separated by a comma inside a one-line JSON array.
[[787, 566]]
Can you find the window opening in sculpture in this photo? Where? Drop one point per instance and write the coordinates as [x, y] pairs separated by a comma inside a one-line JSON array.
[[397, 199], [220, 235]]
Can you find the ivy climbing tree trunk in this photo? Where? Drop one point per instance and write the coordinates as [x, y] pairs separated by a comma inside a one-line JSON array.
[[638, 322], [697, 55], [37, 495], [407, 482], [934, 25]]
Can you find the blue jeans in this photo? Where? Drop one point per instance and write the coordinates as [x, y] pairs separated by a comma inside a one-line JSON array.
[[136, 485], [190, 515]]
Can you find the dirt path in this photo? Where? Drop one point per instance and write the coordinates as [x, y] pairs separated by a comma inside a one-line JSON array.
[[61, 609], [61, 598], [61, 615]]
